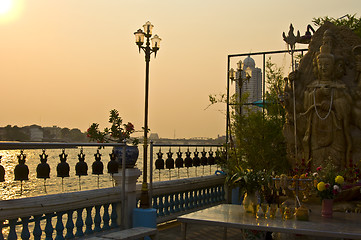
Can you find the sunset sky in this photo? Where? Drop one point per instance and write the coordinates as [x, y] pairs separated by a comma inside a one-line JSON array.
[[68, 62]]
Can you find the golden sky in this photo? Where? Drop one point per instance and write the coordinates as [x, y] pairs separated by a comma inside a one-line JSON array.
[[68, 62]]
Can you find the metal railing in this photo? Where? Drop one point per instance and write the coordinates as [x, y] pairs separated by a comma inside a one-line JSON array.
[[55, 206], [76, 214]]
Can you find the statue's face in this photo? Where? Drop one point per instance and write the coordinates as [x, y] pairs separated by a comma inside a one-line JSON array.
[[325, 67]]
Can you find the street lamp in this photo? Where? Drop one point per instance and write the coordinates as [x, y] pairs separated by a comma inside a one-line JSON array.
[[236, 76], [148, 50]]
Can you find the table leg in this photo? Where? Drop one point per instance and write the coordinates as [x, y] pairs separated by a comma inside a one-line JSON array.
[[224, 233], [184, 230]]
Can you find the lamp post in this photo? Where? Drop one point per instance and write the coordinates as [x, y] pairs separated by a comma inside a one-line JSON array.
[[148, 50], [237, 77]]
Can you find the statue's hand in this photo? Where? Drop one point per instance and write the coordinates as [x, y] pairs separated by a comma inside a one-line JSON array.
[[357, 94], [325, 105], [305, 138], [358, 65], [293, 75]]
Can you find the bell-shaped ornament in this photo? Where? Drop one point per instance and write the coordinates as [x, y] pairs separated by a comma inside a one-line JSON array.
[[204, 159], [159, 163], [188, 162], [113, 165], [63, 168], [43, 168], [21, 170], [211, 159], [196, 159], [97, 166], [179, 160], [169, 163], [81, 167]]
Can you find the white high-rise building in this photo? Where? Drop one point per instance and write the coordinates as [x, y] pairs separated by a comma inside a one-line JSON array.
[[252, 86]]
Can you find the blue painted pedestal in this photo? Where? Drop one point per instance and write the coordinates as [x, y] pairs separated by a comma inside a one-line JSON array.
[[145, 218]]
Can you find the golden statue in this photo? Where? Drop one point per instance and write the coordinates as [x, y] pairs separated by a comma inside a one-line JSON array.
[[328, 100]]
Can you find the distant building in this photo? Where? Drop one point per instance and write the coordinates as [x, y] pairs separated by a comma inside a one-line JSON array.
[[2, 133], [253, 86], [36, 133], [154, 136], [52, 133]]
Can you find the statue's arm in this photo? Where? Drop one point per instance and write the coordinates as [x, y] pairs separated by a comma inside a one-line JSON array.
[[357, 53]]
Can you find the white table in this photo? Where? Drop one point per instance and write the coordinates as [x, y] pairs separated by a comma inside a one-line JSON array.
[[342, 225]]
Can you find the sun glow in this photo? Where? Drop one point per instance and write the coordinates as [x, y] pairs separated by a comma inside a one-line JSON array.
[[10, 9], [5, 6]]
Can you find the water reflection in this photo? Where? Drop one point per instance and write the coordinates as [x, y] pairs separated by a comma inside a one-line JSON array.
[[11, 189], [35, 186]]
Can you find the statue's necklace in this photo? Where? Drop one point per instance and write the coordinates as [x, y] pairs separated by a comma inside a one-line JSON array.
[[314, 103]]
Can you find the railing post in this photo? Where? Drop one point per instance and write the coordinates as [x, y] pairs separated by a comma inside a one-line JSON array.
[[25, 234], [166, 204], [106, 217], [79, 223], [181, 201], [69, 225], [114, 215], [1, 230], [88, 221], [12, 232], [59, 227], [161, 206], [97, 219], [131, 176], [49, 229], [37, 228]]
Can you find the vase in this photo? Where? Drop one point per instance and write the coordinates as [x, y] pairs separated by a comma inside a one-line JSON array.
[[272, 210], [327, 205], [131, 155], [264, 207], [250, 203]]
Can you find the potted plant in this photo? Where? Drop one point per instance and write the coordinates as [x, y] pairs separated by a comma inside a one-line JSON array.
[[250, 184], [119, 132]]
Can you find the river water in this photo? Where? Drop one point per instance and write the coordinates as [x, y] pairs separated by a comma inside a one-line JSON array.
[[11, 189]]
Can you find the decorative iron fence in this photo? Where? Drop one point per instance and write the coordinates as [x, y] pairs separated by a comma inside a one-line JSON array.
[[31, 163], [80, 213], [184, 161]]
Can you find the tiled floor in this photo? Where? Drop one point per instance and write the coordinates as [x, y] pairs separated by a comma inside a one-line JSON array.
[[172, 231]]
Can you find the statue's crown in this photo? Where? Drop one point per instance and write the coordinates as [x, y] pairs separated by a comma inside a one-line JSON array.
[[325, 49], [325, 52]]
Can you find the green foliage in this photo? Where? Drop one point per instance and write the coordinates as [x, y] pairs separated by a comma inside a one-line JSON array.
[[118, 132], [276, 85], [250, 181], [214, 99], [350, 21], [221, 98], [16, 134], [257, 140], [260, 143], [274, 78]]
